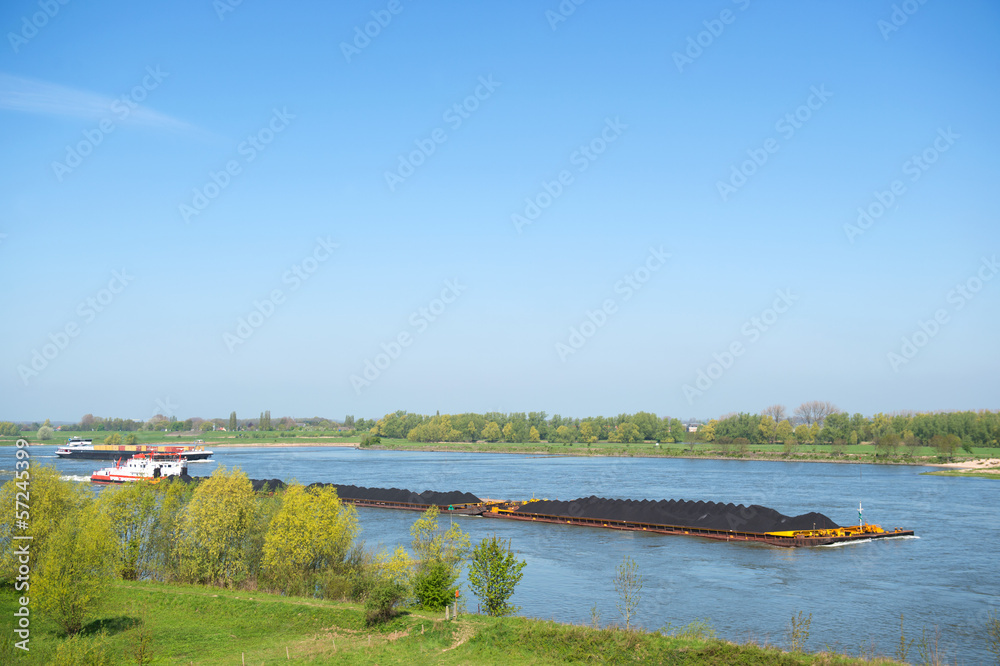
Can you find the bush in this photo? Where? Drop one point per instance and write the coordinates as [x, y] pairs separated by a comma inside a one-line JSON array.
[[85, 651], [493, 574], [433, 585], [369, 439], [383, 598]]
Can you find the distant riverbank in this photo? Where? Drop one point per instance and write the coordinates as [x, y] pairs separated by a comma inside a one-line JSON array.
[[858, 454]]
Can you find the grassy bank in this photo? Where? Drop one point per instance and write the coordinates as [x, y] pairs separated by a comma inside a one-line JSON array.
[[182, 624], [973, 473], [859, 453]]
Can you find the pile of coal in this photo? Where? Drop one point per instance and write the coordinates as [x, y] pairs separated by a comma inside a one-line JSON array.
[[681, 513], [427, 498]]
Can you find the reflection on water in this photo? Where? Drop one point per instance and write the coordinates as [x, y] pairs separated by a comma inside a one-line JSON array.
[[944, 578]]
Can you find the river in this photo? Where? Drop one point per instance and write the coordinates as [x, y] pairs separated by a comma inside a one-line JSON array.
[[944, 580]]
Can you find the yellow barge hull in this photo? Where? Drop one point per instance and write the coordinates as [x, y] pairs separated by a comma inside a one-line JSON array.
[[796, 539]]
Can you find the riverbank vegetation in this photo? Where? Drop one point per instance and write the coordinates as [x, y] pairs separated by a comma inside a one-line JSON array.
[[214, 571], [812, 424], [192, 624]]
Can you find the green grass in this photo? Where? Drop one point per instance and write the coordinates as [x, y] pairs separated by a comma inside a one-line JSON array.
[[806, 453], [973, 473], [197, 625]]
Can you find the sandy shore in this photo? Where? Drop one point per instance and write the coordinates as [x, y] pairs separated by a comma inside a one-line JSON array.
[[982, 463]]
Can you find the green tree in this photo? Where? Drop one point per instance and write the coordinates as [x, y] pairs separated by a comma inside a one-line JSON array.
[[233, 424], [707, 431], [215, 530], [784, 432], [114, 439], [130, 439], [803, 433], [206, 426], [590, 431], [132, 511], [768, 428], [533, 435], [45, 433], [440, 556], [508, 432], [310, 534], [75, 569], [628, 584], [494, 572], [51, 499], [491, 433], [564, 434]]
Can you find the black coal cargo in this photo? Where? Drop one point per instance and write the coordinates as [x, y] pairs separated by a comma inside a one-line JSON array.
[[681, 513]]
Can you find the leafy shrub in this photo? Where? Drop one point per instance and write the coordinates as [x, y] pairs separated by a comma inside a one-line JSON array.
[[383, 598], [433, 585]]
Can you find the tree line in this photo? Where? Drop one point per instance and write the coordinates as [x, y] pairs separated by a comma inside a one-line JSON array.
[[525, 427], [300, 541], [945, 431]]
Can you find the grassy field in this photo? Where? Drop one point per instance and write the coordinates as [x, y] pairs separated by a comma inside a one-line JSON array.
[[183, 624], [857, 453]]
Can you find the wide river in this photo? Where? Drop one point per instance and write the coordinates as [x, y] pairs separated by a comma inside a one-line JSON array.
[[945, 581]]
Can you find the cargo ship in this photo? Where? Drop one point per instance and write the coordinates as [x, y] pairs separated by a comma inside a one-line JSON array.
[[710, 520], [77, 448], [142, 468]]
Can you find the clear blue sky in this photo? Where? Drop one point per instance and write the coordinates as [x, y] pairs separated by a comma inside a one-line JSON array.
[[162, 96]]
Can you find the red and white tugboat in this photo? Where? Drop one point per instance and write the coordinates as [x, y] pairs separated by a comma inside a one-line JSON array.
[[145, 467]]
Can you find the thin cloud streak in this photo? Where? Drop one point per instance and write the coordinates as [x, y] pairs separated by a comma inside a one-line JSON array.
[[42, 98]]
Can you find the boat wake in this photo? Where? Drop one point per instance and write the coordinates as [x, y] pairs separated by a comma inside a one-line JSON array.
[[74, 477], [861, 541]]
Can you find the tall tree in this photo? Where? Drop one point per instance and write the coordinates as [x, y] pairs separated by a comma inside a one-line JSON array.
[[814, 411], [494, 572], [76, 569], [232, 422], [776, 412]]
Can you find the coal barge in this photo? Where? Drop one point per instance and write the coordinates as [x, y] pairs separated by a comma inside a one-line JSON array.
[[711, 520]]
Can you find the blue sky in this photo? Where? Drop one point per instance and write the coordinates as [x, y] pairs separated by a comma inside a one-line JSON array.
[[745, 159]]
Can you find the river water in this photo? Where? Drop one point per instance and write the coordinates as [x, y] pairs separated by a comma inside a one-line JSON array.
[[943, 582]]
